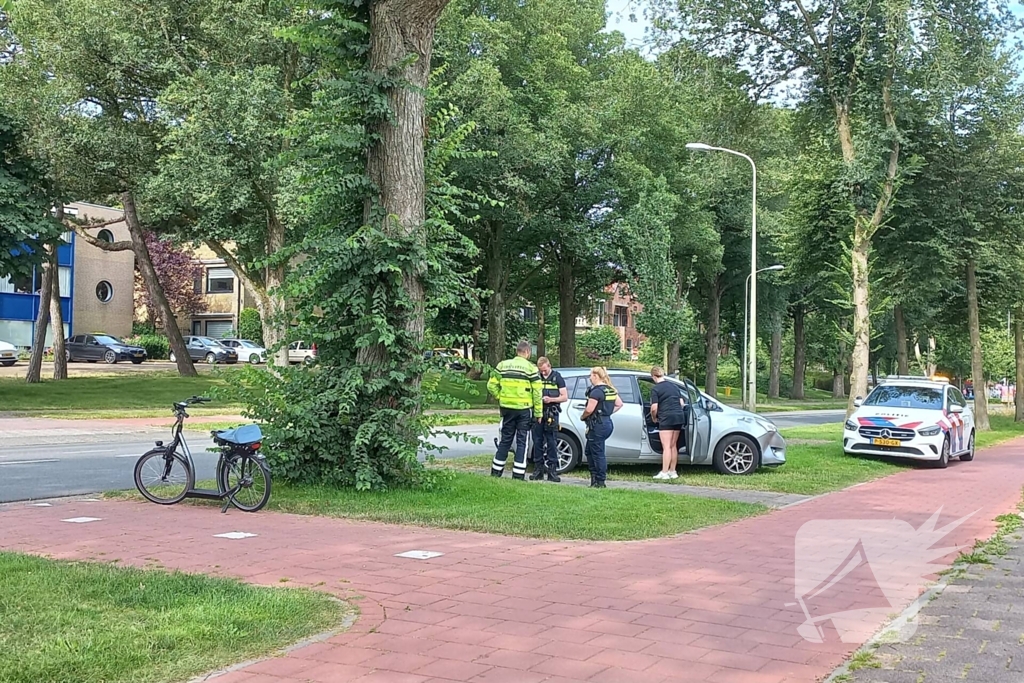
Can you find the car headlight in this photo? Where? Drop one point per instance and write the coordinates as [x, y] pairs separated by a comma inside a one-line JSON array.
[[930, 431], [763, 424], [851, 426]]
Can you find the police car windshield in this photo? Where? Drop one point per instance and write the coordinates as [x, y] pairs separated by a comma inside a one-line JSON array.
[[921, 398]]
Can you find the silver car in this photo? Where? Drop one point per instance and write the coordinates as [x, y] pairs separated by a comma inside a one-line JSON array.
[[733, 441]]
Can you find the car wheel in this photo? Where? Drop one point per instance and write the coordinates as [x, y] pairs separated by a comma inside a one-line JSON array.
[[110, 358], [568, 453], [172, 357], [943, 461], [736, 454], [254, 359], [969, 455], [211, 359], [309, 360], [67, 356]]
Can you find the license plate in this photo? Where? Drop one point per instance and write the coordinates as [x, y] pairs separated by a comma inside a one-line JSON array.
[[7, 354], [885, 442]]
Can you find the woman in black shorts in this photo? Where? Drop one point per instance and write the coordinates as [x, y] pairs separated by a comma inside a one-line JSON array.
[[667, 412]]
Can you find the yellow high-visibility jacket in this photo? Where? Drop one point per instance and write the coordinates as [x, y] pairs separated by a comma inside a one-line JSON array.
[[517, 385]]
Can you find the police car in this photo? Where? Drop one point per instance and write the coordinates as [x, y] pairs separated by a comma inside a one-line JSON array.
[[920, 418]]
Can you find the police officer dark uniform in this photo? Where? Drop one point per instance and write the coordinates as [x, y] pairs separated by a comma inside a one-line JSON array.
[[602, 401], [545, 433], [517, 387]]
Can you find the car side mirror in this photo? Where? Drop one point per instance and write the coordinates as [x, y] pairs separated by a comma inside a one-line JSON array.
[[858, 402], [956, 409]]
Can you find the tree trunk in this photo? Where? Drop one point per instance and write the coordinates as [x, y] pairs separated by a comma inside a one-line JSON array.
[[861, 313], [902, 357], [799, 355], [497, 313], [566, 315], [673, 358], [401, 40], [60, 361], [274, 322], [35, 363], [981, 422], [541, 337], [153, 286], [775, 366], [1018, 348], [712, 339], [838, 389]]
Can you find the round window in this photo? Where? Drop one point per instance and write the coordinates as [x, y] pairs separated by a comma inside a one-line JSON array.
[[105, 236], [104, 292]]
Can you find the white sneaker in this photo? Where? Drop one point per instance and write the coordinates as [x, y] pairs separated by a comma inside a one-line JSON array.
[[673, 474], [662, 475]]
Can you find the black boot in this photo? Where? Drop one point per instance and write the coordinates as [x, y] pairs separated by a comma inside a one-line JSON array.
[[497, 473], [538, 473], [553, 475], [597, 485]]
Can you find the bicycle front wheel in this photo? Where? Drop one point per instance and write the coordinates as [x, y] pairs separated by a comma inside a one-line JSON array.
[[251, 476], [163, 477]]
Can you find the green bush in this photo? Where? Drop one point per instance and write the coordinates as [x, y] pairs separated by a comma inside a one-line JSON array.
[[250, 326], [601, 343], [157, 347]]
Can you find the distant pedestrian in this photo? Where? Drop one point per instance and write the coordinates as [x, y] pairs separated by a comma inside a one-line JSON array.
[[545, 433], [602, 402], [667, 411], [517, 387]]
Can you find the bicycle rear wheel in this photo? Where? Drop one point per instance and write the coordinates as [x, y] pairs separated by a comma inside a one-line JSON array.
[[163, 477], [251, 476]]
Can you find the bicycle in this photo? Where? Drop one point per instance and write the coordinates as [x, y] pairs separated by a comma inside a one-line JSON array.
[[165, 476]]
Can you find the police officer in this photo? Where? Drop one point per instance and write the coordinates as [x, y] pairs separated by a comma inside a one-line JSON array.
[[545, 433], [602, 402], [517, 387]]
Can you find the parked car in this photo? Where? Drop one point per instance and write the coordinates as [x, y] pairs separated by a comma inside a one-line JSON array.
[[912, 417], [733, 441], [101, 347], [208, 349], [452, 359], [302, 352], [8, 354], [247, 350]]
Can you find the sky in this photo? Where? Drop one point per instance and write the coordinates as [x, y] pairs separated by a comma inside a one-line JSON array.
[[618, 19]]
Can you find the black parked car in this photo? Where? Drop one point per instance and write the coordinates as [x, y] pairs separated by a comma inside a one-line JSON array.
[[101, 347], [208, 349]]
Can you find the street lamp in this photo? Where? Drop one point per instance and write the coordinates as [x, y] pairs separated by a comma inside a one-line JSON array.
[[750, 386], [746, 350]]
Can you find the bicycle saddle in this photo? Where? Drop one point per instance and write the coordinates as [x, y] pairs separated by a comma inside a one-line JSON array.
[[240, 436]]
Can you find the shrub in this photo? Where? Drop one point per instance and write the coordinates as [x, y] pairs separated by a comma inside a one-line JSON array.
[[250, 326], [156, 345], [603, 342]]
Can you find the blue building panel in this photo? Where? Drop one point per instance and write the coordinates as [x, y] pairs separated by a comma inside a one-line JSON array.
[[18, 306], [66, 254]]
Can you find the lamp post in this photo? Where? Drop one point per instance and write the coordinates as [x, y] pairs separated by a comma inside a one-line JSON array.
[[746, 350], [750, 386]]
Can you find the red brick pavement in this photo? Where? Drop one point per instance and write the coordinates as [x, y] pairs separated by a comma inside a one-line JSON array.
[[707, 606]]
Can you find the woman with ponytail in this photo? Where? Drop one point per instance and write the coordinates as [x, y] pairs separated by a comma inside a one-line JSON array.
[[602, 402]]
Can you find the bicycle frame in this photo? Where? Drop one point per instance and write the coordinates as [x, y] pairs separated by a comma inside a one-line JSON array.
[[205, 494]]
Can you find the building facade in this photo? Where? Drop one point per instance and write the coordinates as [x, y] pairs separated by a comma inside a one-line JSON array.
[[224, 295], [96, 286], [616, 308]]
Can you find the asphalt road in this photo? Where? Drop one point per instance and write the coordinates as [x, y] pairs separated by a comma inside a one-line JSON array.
[[53, 465]]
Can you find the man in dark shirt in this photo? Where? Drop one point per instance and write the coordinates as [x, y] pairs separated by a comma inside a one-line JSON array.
[[667, 412], [545, 432]]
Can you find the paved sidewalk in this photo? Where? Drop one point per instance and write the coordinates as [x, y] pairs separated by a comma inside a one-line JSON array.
[[974, 631], [715, 605]]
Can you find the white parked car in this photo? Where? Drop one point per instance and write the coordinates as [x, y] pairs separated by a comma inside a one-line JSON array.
[[912, 417], [8, 354], [302, 352], [247, 350]]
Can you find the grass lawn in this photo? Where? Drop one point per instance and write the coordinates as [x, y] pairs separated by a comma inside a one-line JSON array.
[[76, 621], [473, 503], [815, 463], [109, 396]]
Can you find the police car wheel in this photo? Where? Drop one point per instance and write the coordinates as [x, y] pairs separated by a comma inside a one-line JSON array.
[[568, 453], [943, 461], [969, 455]]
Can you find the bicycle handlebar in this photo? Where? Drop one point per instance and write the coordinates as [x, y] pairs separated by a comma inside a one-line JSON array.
[[191, 401]]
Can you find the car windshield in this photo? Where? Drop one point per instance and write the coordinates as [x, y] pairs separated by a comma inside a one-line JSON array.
[[925, 398], [107, 339], [248, 344], [211, 342]]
